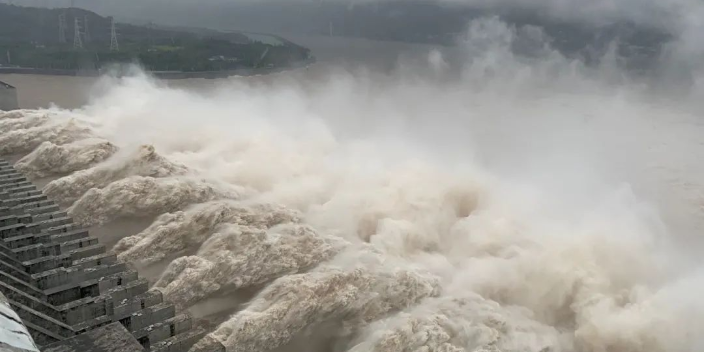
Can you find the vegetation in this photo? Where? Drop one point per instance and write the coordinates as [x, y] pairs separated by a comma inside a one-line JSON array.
[[30, 37]]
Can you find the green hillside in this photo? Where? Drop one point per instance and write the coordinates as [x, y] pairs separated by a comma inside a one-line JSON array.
[[31, 37]]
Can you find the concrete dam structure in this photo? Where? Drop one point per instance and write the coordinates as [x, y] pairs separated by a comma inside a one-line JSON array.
[[68, 291], [8, 97], [14, 336]]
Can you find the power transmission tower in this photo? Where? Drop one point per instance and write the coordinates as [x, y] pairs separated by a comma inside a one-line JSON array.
[[77, 42], [86, 33], [114, 45], [62, 28]]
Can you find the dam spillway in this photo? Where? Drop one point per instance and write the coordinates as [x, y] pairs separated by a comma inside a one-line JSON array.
[[63, 284]]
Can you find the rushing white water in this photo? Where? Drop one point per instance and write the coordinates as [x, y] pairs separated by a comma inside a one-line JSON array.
[[520, 205], [144, 162], [175, 233], [27, 139], [144, 196], [241, 257], [357, 294], [461, 323], [21, 120], [52, 159]]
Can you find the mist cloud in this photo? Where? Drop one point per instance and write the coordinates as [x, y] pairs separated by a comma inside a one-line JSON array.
[[661, 14], [644, 12]]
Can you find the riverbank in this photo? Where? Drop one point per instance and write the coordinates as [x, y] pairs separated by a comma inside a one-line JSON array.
[[161, 74]]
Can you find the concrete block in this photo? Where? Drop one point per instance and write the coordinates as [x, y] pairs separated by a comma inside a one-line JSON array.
[[65, 283]]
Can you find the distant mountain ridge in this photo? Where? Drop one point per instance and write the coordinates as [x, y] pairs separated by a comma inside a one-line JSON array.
[[31, 38], [391, 20]]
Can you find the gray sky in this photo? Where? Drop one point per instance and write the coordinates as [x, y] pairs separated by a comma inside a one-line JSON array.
[[667, 13]]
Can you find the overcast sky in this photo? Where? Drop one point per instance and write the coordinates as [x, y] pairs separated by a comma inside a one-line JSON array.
[[658, 12], [673, 15]]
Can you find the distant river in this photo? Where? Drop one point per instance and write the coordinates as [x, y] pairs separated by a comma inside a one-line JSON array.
[[72, 92]]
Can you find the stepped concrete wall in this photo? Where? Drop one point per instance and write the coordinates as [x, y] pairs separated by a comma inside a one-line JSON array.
[[8, 97], [14, 336], [62, 283]]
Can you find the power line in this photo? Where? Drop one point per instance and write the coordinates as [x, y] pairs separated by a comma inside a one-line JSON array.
[[114, 45], [86, 32], [62, 27], [77, 42]]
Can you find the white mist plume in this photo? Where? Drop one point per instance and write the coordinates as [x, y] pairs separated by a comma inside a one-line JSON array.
[[240, 257], [138, 196], [142, 162], [651, 13], [173, 233], [539, 289], [523, 202], [51, 159]]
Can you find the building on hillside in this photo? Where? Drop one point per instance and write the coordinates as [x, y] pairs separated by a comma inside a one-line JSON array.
[[8, 97]]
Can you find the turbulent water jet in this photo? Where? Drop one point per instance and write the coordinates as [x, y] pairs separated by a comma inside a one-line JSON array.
[[469, 323], [240, 257], [26, 140], [49, 159], [173, 233], [22, 120], [295, 302], [143, 162], [145, 196]]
